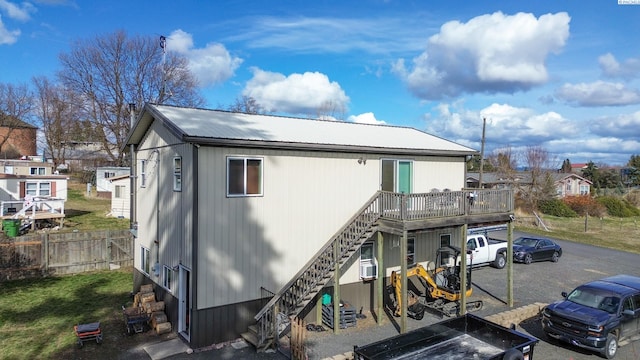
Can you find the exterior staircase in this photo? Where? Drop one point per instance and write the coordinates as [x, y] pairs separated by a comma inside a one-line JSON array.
[[272, 321]]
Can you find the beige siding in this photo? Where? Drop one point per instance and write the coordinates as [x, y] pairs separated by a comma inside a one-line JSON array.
[[252, 242], [165, 216]]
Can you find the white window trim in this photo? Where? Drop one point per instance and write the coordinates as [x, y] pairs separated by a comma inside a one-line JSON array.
[[368, 266], [245, 159], [168, 278], [38, 191], [177, 173], [145, 257], [143, 174]]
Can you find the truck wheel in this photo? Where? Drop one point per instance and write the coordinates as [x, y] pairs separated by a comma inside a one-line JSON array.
[[513, 354], [499, 262], [611, 346], [528, 259]]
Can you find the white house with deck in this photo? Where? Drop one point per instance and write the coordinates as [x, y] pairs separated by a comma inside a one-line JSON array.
[[241, 218]]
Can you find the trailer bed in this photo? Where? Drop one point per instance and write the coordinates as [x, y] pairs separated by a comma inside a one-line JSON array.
[[464, 337]]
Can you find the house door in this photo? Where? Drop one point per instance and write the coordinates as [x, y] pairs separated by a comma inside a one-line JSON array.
[[397, 176], [184, 302]]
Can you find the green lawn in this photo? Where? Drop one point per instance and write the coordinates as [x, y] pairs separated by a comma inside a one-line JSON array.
[[37, 316]]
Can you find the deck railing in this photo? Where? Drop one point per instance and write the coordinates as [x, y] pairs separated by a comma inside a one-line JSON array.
[[300, 290]]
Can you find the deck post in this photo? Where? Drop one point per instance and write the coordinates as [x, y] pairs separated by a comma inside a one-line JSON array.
[[381, 279], [463, 271], [403, 282], [510, 264]]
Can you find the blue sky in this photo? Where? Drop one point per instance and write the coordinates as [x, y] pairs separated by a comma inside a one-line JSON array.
[[560, 74]]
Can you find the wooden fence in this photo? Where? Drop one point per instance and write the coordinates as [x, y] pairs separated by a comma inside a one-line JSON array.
[[45, 254]]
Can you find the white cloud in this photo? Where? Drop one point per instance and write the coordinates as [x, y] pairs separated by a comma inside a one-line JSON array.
[[17, 12], [611, 68], [489, 53], [624, 126], [365, 118], [306, 93], [211, 65], [598, 93], [506, 126], [383, 35], [7, 36]]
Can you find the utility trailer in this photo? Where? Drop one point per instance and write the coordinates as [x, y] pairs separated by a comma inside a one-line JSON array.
[[461, 338]]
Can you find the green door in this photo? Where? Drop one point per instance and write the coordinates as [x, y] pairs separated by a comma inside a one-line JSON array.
[[404, 177]]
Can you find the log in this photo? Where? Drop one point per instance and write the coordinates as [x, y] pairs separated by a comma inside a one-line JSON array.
[[163, 328], [146, 288], [154, 306], [147, 297], [157, 318], [136, 299]]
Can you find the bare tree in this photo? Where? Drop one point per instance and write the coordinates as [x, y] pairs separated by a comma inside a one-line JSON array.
[[504, 162], [330, 110], [109, 72], [540, 166], [16, 104], [246, 104], [58, 115]]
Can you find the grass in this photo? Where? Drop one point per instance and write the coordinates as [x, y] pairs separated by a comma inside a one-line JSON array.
[[87, 212], [37, 316], [614, 233]]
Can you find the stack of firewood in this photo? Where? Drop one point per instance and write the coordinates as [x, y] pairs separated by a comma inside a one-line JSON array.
[[146, 299]]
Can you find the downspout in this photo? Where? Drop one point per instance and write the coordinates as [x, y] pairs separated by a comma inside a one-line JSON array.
[[133, 220]]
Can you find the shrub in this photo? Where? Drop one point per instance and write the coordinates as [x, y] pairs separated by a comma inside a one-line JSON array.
[[633, 197], [585, 204], [618, 207], [556, 207]]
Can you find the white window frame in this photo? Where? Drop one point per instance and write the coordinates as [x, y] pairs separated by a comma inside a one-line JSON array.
[[177, 173], [245, 160], [368, 261], [143, 174], [167, 278], [119, 191], [37, 188], [145, 256]]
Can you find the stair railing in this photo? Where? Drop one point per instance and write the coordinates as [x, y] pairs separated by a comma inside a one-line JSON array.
[[298, 292]]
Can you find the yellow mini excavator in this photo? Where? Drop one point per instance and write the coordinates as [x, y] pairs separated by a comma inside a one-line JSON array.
[[442, 284]]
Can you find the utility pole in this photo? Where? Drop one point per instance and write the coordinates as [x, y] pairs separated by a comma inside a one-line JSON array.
[[484, 125]]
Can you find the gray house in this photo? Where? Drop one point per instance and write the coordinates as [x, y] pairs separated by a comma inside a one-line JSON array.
[[246, 219]]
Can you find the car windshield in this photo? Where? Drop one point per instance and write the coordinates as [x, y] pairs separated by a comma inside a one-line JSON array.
[[596, 299], [525, 242]]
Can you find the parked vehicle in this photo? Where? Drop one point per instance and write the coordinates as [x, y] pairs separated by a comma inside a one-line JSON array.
[[529, 249], [486, 250], [597, 316], [460, 338]]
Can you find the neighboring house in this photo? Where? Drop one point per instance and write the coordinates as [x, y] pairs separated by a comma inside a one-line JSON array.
[[567, 184], [103, 179], [21, 136], [120, 196], [33, 165], [231, 208], [578, 168], [571, 185], [32, 198]]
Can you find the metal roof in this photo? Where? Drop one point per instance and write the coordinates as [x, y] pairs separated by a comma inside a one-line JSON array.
[[217, 127]]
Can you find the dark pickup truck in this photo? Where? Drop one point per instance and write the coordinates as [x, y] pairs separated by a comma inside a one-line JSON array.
[[599, 316]]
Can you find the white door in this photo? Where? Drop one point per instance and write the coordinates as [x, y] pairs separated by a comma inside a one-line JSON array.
[[184, 302]]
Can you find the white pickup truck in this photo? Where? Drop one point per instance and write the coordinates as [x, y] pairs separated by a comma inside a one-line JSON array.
[[486, 251]]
